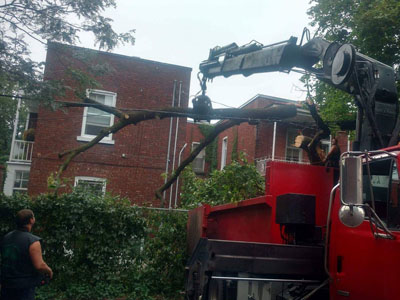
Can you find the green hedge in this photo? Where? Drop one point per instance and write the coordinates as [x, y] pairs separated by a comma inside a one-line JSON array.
[[103, 248]]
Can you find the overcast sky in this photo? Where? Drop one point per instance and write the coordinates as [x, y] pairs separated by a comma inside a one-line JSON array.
[[182, 32]]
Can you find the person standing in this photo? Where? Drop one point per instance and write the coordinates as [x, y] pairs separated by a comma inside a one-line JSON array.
[[22, 264], [333, 157]]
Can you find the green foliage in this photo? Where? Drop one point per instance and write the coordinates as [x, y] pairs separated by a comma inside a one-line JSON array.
[[164, 257], [104, 248], [237, 181], [334, 105], [373, 26], [8, 108], [43, 21]]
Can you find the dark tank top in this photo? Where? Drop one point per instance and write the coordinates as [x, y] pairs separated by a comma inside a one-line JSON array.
[[17, 270]]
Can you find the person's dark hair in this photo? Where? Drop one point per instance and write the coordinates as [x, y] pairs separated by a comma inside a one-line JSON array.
[[23, 217]]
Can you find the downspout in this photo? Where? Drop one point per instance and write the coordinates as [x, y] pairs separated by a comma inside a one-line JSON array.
[[175, 142], [169, 139], [273, 142], [348, 143], [177, 179]]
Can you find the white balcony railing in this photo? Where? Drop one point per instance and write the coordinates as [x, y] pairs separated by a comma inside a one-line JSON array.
[[22, 151], [262, 162]]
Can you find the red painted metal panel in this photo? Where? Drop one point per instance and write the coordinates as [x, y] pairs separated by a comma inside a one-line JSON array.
[[303, 179], [370, 267], [253, 220], [294, 178], [247, 221]]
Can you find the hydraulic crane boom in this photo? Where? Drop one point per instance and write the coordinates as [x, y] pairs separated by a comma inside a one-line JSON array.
[[371, 82]]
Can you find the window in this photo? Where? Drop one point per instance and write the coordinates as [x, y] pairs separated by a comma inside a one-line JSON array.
[[394, 205], [292, 153], [224, 152], [385, 188], [94, 120], [21, 181], [326, 146], [199, 162], [91, 184], [261, 165]]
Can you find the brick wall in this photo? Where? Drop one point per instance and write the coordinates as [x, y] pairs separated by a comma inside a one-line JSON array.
[[133, 165], [194, 135], [257, 140], [254, 140]]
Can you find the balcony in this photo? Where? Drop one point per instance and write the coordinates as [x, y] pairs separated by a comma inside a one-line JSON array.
[[261, 162], [22, 151]]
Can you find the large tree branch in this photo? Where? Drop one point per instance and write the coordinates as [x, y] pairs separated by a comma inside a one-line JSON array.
[[311, 146], [23, 30], [204, 143], [138, 115], [92, 103], [270, 113], [71, 154], [237, 115], [134, 118], [317, 118]]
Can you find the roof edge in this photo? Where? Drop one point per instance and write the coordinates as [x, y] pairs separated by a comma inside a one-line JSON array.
[[58, 44], [269, 98]]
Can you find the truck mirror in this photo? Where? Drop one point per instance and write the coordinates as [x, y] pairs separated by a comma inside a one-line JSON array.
[[351, 180], [351, 191], [351, 216]]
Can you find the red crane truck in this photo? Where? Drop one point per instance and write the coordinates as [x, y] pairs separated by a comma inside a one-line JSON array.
[[309, 237]]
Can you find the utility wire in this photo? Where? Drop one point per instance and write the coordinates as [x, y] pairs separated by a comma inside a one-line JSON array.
[[222, 104], [150, 111]]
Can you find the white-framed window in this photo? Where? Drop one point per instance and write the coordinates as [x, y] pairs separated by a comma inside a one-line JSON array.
[[94, 120], [292, 153], [21, 180], [224, 152], [200, 160], [326, 146], [92, 184]]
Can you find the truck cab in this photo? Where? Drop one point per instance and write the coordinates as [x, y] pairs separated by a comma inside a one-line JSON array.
[[364, 260]]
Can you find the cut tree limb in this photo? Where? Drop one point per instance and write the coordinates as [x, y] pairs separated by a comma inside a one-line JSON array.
[[312, 146], [132, 117], [204, 143]]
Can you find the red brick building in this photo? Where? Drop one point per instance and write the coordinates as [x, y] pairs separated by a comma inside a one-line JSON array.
[[128, 163], [259, 141]]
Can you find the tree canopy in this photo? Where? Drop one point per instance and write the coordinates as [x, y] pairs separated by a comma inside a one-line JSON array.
[[21, 23], [62, 20], [372, 26]]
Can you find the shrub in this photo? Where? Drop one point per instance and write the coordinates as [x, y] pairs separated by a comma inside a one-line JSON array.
[[104, 248], [237, 181]]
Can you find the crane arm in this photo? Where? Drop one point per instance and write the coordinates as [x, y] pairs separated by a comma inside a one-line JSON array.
[[256, 58], [371, 82]]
